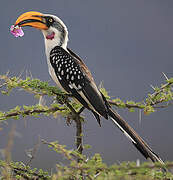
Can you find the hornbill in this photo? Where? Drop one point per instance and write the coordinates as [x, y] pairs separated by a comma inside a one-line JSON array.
[[71, 74]]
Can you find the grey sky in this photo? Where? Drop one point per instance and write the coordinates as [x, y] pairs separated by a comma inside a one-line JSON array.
[[126, 44]]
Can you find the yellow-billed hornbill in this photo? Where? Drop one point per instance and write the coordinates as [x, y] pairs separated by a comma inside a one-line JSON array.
[[71, 74]]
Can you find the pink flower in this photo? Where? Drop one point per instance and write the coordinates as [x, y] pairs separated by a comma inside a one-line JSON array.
[[16, 31]]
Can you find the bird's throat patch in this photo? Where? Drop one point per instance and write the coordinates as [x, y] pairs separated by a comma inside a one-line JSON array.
[[50, 36]]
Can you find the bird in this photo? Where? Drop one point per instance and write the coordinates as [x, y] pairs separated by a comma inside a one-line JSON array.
[[71, 75]]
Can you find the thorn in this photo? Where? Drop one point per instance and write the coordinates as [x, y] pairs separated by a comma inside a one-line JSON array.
[[42, 101], [7, 73], [152, 87], [30, 73], [20, 74], [101, 85], [140, 116], [29, 152], [79, 147], [26, 73], [138, 162], [165, 76], [144, 102]]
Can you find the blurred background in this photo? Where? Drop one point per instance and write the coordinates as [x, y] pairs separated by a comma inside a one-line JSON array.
[[126, 45]]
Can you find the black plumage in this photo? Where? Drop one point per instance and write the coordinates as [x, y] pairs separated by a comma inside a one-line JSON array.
[[67, 70], [73, 77]]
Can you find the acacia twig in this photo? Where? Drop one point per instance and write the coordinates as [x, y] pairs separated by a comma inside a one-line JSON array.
[[30, 112], [125, 104], [32, 152]]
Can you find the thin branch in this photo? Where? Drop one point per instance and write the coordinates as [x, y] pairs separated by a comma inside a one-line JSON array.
[[77, 119], [161, 89], [2, 85], [79, 139], [45, 90], [126, 104], [59, 148], [164, 106], [30, 112], [21, 172], [31, 153]]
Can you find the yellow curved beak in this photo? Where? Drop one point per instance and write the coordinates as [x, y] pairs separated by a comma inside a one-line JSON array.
[[32, 18]]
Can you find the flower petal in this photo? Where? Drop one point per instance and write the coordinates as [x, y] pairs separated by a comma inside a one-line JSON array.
[[16, 31]]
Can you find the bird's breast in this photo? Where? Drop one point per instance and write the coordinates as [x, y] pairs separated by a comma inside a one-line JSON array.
[[53, 75]]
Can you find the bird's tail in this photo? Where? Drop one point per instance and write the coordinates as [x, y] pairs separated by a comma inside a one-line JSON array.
[[137, 141]]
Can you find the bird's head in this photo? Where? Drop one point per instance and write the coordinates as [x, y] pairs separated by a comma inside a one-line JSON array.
[[53, 29]]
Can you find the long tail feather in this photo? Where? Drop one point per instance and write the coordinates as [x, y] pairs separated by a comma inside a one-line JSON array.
[[137, 141]]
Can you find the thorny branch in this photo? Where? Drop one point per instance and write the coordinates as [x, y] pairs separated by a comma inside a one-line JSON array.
[[141, 107], [38, 88], [129, 169], [41, 89], [31, 153], [25, 174], [90, 168], [126, 104], [30, 112]]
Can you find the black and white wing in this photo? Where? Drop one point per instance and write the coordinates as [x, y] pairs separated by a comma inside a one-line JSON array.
[[75, 78]]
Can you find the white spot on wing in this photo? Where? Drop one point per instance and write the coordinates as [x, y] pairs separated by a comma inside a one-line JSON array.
[[72, 78], [74, 85], [71, 87], [67, 77], [79, 86]]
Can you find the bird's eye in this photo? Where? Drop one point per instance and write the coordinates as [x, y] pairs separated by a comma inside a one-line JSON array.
[[50, 20]]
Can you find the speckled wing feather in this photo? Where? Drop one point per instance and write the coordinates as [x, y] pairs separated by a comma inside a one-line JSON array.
[[75, 78], [90, 90]]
